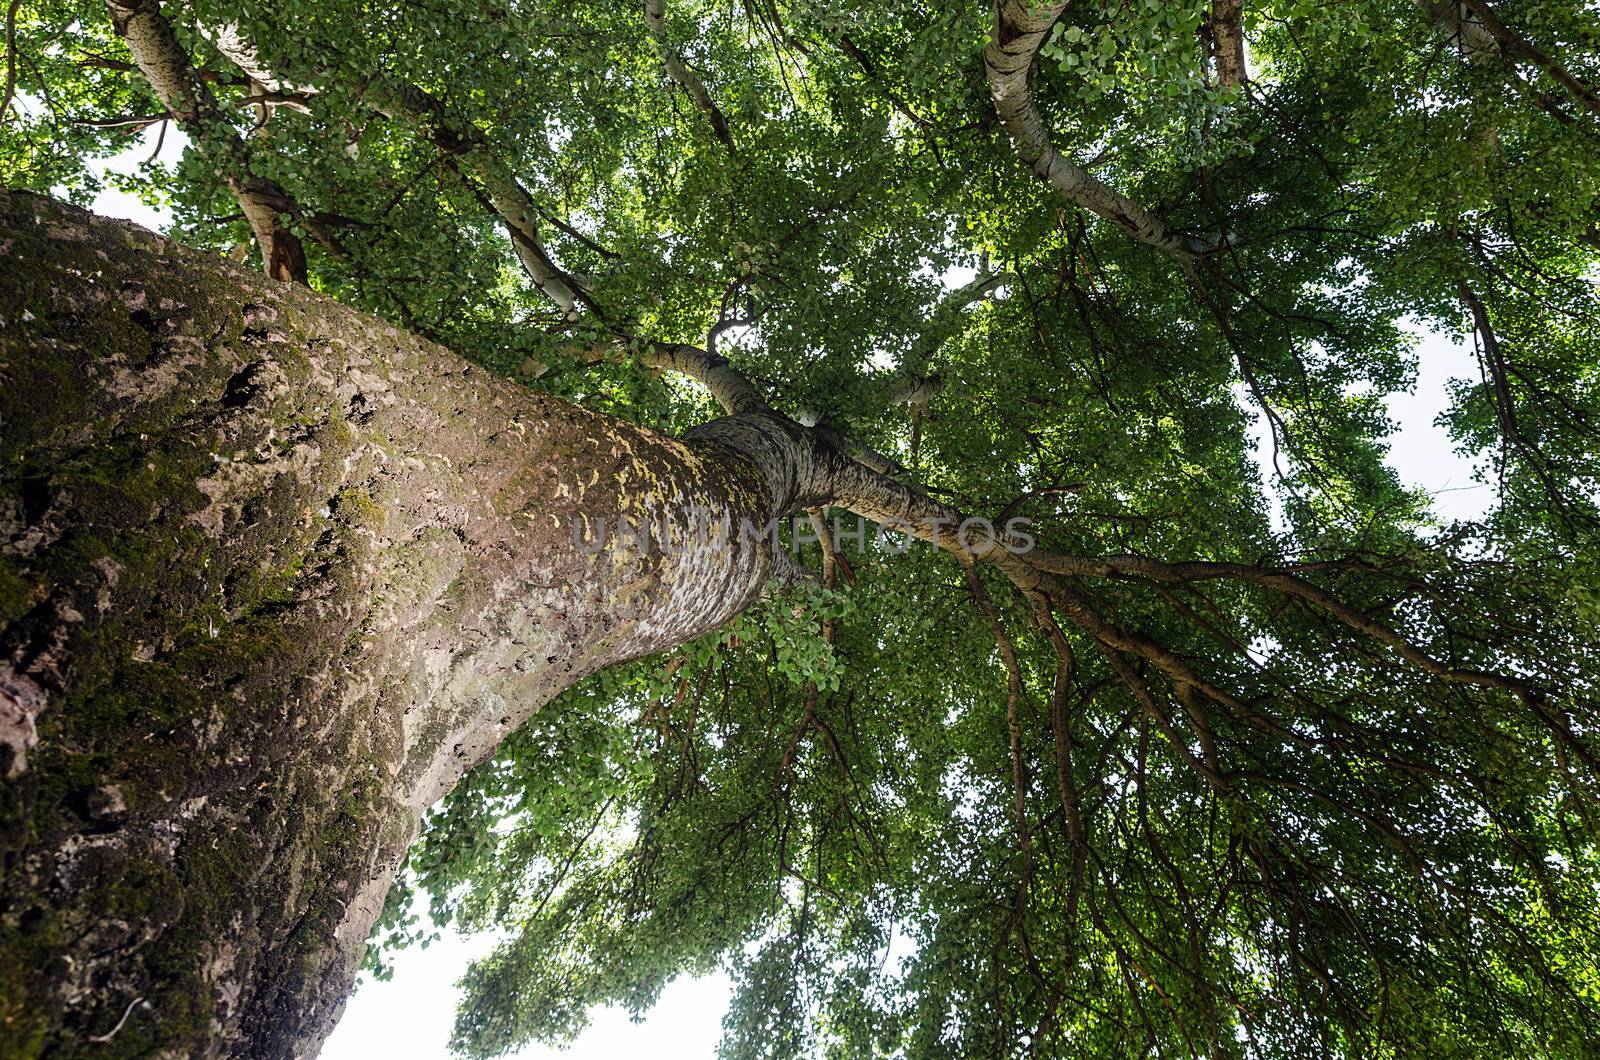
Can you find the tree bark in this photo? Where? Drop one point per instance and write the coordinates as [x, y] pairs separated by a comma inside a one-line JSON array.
[[273, 576], [1227, 42]]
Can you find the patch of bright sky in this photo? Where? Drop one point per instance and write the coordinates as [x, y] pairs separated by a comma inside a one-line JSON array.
[[411, 1015], [1421, 451]]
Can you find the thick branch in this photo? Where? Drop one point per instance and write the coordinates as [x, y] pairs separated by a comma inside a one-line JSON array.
[[1519, 47], [1464, 31], [1227, 41], [1019, 29], [508, 199], [172, 77], [242, 53], [655, 17], [727, 384]]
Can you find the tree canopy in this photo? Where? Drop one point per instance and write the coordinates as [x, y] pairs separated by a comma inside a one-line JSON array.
[[1255, 755]]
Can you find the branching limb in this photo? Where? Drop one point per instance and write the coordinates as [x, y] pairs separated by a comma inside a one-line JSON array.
[[1284, 581], [920, 384], [172, 77], [1020, 28], [1039, 572], [467, 148], [1519, 47]]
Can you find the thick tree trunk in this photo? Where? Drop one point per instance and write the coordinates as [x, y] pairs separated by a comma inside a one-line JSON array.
[[273, 575]]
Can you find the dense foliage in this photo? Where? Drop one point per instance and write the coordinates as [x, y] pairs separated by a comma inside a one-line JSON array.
[[924, 811]]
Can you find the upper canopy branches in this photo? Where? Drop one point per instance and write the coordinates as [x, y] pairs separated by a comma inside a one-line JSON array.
[[864, 479]]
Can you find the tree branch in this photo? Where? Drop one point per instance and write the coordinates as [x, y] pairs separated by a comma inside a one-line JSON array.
[[655, 18], [11, 57], [919, 388], [1520, 47], [1227, 41], [733, 391], [888, 501], [1019, 780], [466, 145], [1466, 33], [172, 77], [1019, 29]]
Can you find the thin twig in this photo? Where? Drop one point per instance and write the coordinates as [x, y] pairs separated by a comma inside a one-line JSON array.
[[112, 1033]]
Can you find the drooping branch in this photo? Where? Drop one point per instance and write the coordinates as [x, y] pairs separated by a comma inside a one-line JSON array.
[[892, 502], [1056, 580], [1285, 581], [1019, 778], [165, 65], [870, 69], [1498, 372], [919, 382], [655, 18], [1019, 29]]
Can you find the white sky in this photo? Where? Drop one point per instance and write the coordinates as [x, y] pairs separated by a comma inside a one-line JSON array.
[[411, 1015]]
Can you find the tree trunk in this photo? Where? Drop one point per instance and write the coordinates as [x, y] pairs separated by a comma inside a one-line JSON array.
[[273, 575]]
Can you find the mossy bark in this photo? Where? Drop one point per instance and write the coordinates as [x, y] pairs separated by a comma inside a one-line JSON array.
[[273, 575]]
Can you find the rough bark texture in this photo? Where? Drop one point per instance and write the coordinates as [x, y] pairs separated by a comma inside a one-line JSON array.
[[273, 575], [1227, 41]]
